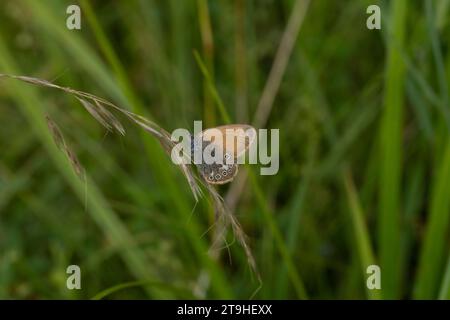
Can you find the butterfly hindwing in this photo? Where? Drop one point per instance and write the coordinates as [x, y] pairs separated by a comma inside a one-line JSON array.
[[218, 173], [236, 138]]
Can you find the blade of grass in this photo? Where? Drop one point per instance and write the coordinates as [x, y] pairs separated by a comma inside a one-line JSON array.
[[342, 144], [44, 17], [111, 57], [295, 212], [297, 282], [421, 110], [390, 151], [433, 249], [181, 46], [240, 70], [361, 234], [444, 293], [206, 33], [212, 88], [438, 59], [142, 283]]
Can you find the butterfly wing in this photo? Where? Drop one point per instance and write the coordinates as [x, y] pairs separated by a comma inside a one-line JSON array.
[[218, 173], [236, 138]]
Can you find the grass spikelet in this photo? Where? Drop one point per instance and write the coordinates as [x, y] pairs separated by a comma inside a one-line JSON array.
[[103, 116], [58, 138], [74, 162], [56, 133]]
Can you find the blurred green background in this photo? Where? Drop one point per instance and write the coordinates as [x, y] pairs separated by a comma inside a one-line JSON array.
[[364, 125]]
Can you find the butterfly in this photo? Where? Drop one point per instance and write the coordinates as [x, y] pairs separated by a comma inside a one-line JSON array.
[[236, 140]]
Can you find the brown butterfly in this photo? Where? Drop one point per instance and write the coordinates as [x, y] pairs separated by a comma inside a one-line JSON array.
[[236, 140]]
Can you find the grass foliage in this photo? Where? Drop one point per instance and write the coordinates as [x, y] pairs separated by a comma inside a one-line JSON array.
[[364, 119]]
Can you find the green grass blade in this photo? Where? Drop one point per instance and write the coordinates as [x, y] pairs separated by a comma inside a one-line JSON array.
[[179, 292], [434, 248], [434, 244], [391, 155], [212, 88], [444, 293], [297, 282], [206, 33], [361, 234], [111, 57]]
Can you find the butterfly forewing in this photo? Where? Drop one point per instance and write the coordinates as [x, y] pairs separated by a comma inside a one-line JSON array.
[[235, 139]]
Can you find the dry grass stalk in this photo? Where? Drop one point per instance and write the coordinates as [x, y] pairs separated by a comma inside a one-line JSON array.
[[271, 87], [97, 107]]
